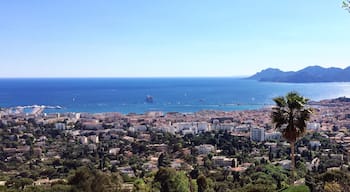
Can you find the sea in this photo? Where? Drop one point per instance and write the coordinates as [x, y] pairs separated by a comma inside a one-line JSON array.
[[140, 95]]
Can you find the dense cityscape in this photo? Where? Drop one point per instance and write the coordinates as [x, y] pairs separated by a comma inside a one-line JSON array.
[[174, 96], [156, 151]]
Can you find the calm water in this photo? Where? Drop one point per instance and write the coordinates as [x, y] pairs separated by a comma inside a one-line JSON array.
[[169, 94]]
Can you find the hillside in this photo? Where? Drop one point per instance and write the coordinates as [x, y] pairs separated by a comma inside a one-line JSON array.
[[310, 74]]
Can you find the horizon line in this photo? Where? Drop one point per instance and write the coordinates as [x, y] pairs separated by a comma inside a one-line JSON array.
[[130, 77]]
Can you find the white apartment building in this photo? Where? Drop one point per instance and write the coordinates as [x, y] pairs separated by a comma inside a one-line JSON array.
[[257, 134], [205, 149]]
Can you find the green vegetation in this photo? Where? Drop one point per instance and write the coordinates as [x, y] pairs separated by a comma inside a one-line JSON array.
[[36, 156], [290, 116], [301, 188], [261, 175], [91, 180], [169, 180], [346, 5], [330, 181]]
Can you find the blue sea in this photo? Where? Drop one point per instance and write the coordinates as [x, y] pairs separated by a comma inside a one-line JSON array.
[[128, 95]]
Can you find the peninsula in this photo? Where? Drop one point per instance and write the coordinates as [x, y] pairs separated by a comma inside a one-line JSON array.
[[311, 74]]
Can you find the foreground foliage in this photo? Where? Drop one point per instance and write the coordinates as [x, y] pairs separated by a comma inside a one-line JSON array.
[[290, 115]]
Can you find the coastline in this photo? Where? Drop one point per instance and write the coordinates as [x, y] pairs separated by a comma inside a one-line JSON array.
[[43, 109], [153, 132]]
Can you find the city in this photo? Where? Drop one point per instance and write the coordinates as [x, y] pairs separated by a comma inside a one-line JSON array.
[[44, 151], [174, 96]]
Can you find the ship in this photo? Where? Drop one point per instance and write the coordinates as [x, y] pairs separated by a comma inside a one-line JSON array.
[[149, 99]]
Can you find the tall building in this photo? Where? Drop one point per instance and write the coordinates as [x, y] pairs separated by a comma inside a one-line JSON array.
[[257, 134]]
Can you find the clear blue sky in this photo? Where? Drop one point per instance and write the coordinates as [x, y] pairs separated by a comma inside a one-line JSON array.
[[157, 38]]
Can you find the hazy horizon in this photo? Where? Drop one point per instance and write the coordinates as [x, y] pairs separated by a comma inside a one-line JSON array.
[[155, 77]]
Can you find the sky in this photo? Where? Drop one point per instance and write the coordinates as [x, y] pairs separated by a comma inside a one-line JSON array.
[[163, 38]]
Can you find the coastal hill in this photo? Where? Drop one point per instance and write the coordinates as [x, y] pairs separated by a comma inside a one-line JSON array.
[[310, 74]]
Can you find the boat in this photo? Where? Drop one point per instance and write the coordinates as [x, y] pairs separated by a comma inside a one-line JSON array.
[[149, 99]]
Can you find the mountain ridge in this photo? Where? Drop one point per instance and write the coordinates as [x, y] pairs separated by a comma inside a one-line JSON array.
[[310, 74]]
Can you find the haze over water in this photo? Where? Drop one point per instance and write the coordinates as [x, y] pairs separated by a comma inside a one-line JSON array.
[[128, 95]]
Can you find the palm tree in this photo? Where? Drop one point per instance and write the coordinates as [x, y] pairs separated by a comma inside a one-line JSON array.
[[346, 5], [290, 115]]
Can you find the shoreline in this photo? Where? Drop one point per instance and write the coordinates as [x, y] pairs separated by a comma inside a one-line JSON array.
[[42, 109]]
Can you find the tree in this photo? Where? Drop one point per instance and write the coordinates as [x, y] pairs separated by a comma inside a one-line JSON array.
[[165, 178], [19, 183], [194, 173], [92, 180], [336, 180], [202, 183], [171, 181], [81, 180], [141, 186], [290, 116], [346, 5], [163, 160], [332, 187]]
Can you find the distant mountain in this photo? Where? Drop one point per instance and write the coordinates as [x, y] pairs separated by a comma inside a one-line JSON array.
[[310, 74]]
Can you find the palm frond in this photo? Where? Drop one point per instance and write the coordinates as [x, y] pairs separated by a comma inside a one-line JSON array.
[[346, 5], [280, 101], [290, 115]]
